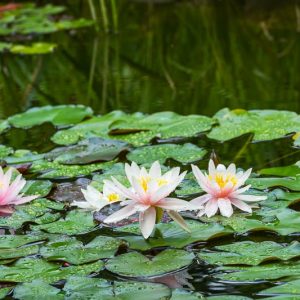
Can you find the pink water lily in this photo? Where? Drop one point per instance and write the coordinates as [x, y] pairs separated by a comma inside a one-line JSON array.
[[148, 195], [224, 188], [96, 200], [10, 192]]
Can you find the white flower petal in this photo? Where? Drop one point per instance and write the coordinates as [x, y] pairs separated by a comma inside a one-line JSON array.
[[147, 221], [199, 201], [241, 205], [174, 204], [211, 167], [253, 198], [121, 214], [155, 170], [178, 219], [211, 207], [231, 169], [225, 207]]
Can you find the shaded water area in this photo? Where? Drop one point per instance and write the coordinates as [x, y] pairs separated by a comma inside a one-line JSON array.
[[190, 57]]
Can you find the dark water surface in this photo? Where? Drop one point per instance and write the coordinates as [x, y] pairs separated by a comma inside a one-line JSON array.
[[183, 56]]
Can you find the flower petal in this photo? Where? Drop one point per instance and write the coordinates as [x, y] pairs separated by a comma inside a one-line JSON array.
[[174, 204], [241, 205], [225, 207], [197, 202], [211, 167], [121, 214], [211, 207], [178, 219], [253, 198], [147, 221], [155, 170]]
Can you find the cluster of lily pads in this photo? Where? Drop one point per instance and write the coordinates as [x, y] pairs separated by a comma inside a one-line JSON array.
[[24, 20], [51, 247]]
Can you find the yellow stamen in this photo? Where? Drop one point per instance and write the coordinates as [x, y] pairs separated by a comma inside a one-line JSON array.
[[223, 179], [161, 181], [113, 197], [144, 182]]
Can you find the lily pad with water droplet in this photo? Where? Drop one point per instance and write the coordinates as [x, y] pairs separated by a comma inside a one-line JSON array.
[[264, 124], [135, 264], [57, 115], [35, 290], [291, 288], [14, 241], [37, 187], [75, 252], [292, 183], [75, 222], [250, 253], [186, 153], [29, 269]]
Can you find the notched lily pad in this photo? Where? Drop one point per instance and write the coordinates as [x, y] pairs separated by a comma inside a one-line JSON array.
[[186, 153], [135, 264]]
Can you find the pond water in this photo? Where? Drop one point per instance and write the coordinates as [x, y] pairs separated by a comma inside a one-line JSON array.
[[188, 57]]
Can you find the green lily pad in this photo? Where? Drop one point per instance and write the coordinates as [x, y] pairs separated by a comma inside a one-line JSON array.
[[23, 156], [250, 253], [57, 115], [5, 151], [10, 253], [3, 124], [172, 235], [263, 272], [28, 269], [95, 288], [179, 294], [75, 222], [228, 297], [288, 288], [35, 48], [186, 153], [37, 187], [286, 171], [87, 151], [54, 170], [264, 124], [74, 252], [39, 211], [15, 241], [265, 183], [135, 264], [35, 289], [4, 292]]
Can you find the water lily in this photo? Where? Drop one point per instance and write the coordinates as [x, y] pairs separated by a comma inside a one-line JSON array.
[[224, 188], [10, 191], [148, 195], [96, 200]]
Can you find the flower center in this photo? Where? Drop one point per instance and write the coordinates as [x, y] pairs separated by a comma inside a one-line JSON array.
[[113, 197], [144, 182], [223, 179]]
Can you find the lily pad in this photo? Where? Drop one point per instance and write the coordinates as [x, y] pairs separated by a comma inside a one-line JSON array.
[[263, 272], [39, 211], [55, 170], [292, 170], [3, 125], [264, 124], [265, 183], [179, 294], [87, 151], [250, 253], [288, 288], [95, 288], [172, 235], [74, 252], [57, 115], [75, 222], [14, 241], [28, 269], [135, 264], [10, 253], [5, 151], [4, 292], [23, 156], [35, 48], [35, 289], [186, 153], [37, 187]]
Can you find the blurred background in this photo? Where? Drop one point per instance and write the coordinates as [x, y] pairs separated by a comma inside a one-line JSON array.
[[187, 56]]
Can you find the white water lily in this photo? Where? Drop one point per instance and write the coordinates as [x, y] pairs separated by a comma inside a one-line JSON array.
[[224, 188], [95, 200], [148, 195]]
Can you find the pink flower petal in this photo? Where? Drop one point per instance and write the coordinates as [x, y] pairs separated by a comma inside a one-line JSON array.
[[174, 204], [6, 210], [22, 200], [121, 214], [147, 221], [241, 205], [253, 198], [225, 207], [197, 202]]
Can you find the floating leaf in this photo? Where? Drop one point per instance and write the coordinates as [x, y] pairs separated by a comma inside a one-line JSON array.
[[23, 156], [74, 252], [228, 297], [265, 183], [186, 153], [288, 288], [4, 292], [9, 253], [57, 115], [179, 294], [5, 151], [250, 253], [285, 171], [28, 269], [75, 222], [35, 48], [95, 288], [87, 151], [14, 241], [264, 124], [57, 170], [172, 235], [134, 264], [37, 187], [35, 290]]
